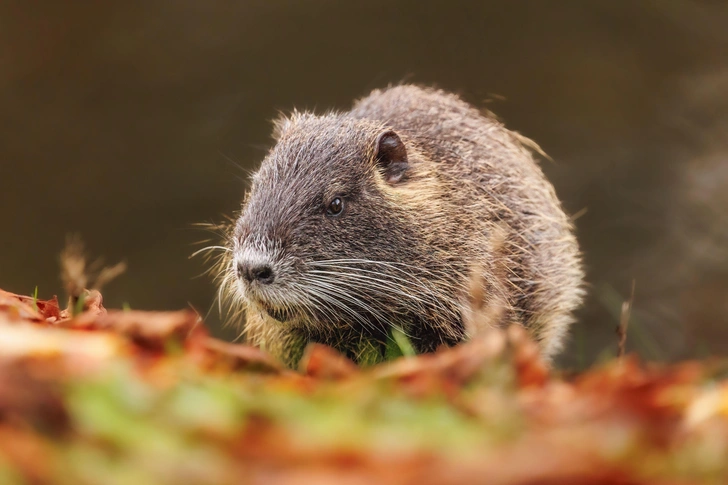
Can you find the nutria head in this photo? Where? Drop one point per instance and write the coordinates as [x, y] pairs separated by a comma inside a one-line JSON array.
[[332, 236]]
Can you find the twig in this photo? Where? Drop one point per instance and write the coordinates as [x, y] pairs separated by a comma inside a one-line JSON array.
[[78, 276], [624, 322]]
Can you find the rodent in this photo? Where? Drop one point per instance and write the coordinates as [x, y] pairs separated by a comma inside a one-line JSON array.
[[376, 217]]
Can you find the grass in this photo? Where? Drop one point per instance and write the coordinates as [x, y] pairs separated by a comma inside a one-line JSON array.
[[399, 345], [637, 332], [35, 298]]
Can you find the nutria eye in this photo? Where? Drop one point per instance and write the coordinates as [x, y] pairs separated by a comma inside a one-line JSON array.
[[335, 207]]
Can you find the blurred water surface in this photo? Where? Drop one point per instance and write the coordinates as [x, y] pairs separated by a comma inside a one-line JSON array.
[[127, 122]]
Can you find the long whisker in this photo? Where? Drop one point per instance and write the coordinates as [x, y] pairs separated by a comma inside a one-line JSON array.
[[209, 249], [308, 304], [453, 277], [332, 289], [387, 289], [397, 266], [326, 302], [337, 287], [378, 273], [373, 283], [323, 304]]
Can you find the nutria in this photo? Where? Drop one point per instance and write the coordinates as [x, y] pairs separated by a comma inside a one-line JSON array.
[[362, 221]]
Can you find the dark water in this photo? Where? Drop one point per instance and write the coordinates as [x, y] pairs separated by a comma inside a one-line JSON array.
[[128, 121]]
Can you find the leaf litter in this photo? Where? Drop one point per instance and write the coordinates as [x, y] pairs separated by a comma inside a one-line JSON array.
[[120, 397]]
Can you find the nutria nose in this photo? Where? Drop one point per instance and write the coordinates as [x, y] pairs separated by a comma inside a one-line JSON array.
[[262, 273]]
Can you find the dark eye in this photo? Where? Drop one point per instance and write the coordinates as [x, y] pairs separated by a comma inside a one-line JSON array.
[[335, 207]]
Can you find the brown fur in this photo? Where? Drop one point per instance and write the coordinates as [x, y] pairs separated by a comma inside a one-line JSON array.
[[472, 199]]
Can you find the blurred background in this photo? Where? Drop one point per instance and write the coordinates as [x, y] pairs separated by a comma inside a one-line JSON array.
[[128, 122]]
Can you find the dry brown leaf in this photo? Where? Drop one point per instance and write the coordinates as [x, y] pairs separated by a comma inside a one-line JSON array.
[[325, 363], [151, 330], [241, 357], [16, 307], [530, 368]]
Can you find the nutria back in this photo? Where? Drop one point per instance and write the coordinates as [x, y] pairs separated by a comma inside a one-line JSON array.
[[385, 216]]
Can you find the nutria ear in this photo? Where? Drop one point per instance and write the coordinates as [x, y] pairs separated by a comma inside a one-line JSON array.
[[391, 156]]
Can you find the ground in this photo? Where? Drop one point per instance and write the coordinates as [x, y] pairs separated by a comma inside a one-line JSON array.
[[96, 396]]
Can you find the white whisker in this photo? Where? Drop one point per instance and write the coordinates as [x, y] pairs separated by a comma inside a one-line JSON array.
[[210, 248]]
